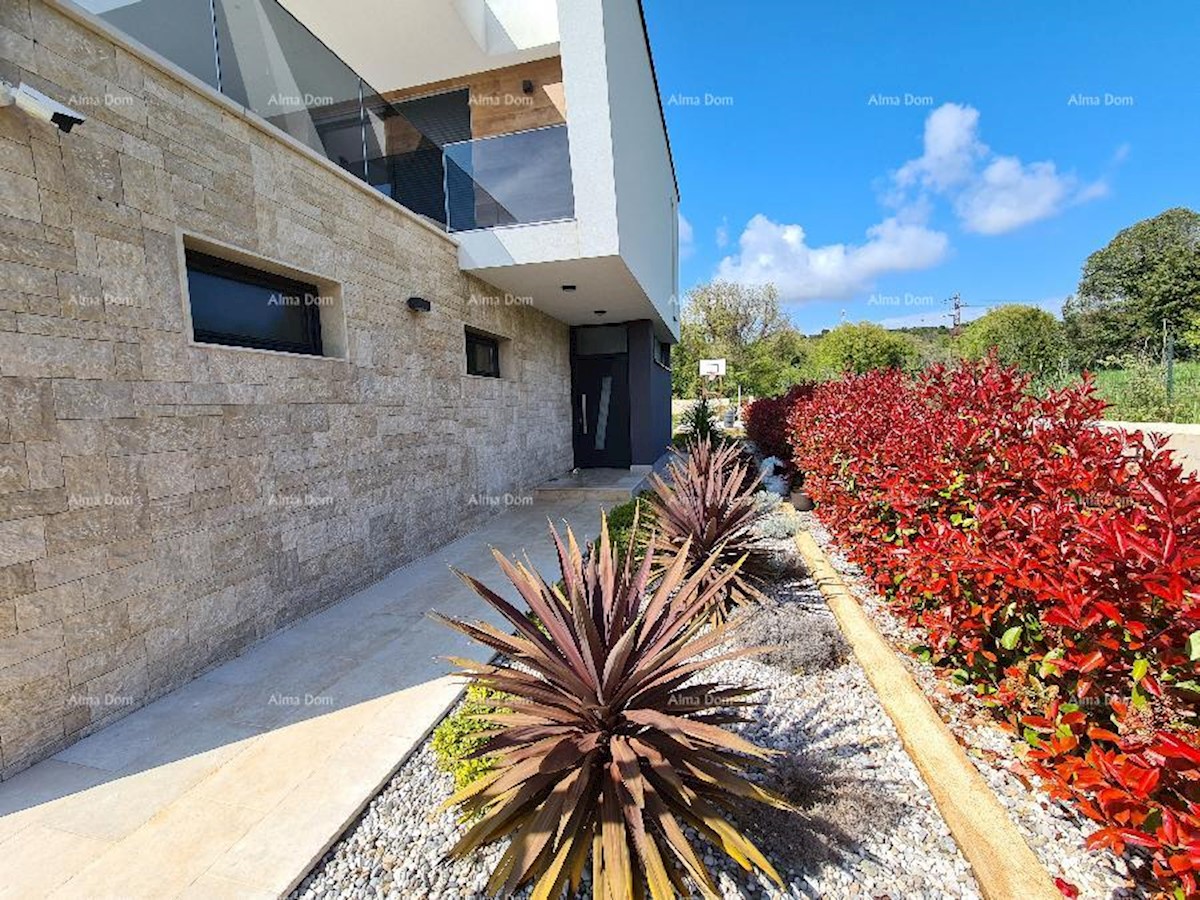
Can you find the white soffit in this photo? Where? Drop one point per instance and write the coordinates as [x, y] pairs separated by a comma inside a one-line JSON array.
[[396, 44]]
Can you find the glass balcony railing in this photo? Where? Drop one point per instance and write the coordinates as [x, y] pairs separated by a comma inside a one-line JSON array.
[[261, 56], [509, 179]]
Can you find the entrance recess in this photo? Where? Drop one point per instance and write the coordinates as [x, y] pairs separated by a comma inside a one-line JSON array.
[[601, 411]]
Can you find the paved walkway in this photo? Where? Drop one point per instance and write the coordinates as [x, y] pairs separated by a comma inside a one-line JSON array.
[[235, 784]]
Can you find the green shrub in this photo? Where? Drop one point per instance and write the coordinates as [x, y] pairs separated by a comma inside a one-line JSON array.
[[1023, 336], [860, 348], [462, 733], [698, 421], [620, 523]]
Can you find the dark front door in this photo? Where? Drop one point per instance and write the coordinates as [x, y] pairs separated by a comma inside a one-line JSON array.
[[601, 401]]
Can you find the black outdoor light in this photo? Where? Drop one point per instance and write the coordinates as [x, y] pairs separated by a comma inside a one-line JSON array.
[[419, 304], [527, 86], [568, 287], [600, 312]]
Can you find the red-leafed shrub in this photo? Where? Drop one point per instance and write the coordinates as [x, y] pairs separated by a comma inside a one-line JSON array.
[[766, 420], [1053, 563]]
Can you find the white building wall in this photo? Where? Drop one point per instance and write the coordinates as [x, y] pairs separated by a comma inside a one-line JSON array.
[[646, 197]]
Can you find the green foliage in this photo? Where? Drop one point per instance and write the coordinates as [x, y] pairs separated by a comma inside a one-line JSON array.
[[744, 325], [461, 733], [1149, 273], [861, 348], [698, 421], [1135, 388], [1191, 336], [621, 521], [1023, 336]]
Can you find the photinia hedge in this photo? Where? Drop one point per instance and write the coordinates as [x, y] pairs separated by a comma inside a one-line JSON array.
[[1055, 566], [766, 420]]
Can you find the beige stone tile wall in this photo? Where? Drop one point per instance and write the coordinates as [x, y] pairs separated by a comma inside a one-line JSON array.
[[164, 505]]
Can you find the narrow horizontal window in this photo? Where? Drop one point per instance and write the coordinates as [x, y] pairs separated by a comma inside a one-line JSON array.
[[240, 306], [483, 355]]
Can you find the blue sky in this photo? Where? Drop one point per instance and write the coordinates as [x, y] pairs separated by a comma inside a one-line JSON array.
[[1025, 136]]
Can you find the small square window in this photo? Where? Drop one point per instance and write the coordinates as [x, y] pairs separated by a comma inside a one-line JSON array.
[[483, 355], [240, 306], [662, 354]]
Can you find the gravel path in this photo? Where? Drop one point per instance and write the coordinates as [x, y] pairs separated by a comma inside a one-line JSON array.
[[1054, 831], [869, 826]]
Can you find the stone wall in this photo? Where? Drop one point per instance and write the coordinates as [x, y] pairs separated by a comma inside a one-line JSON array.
[[162, 504], [1183, 439]]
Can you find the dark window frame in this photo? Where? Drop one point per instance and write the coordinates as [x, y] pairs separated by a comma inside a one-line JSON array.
[[285, 285], [476, 338], [662, 353]]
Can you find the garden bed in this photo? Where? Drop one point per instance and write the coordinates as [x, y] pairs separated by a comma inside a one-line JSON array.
[[868, 826], [1053, 830]]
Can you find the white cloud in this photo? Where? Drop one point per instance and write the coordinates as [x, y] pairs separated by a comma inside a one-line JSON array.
[[687, 239], [952, 149], [1009, 194], [990, 193], [723, 233], [769, 252]]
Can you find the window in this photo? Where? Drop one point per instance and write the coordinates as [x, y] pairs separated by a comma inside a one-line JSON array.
[[239, 306], [662, 354], [601, 340], [483, 355]]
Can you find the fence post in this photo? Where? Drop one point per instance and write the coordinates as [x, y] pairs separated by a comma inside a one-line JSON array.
[[1169, 361]]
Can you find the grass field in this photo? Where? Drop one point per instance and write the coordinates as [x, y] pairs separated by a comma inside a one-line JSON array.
[[1140, 395]]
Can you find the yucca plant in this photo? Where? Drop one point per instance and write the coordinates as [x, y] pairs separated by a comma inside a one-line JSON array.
[[608, 747], [699, 421], [706, 508]]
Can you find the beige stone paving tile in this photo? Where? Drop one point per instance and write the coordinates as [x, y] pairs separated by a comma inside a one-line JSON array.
[[165, 855], [210, 887], [275, 763], [276, 852], [39, 792], [117, 808], [411, 713], [40, 858], [194, 719]]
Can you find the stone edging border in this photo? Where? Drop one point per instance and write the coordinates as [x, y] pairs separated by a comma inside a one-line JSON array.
[[1002, 862]]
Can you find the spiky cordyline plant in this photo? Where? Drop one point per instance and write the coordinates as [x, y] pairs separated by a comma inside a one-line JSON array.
[[707, 507], [607, 746]]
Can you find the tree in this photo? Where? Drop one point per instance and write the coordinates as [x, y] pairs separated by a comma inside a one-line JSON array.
[[1191, 337], [1147, 275], [861, 348], [733, 315], [1022, 336], [745, 325]]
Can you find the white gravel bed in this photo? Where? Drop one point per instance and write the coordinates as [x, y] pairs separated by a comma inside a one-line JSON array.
[[869, 826], [1053, 830]]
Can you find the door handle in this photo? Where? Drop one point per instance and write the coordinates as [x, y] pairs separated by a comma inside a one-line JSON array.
[[583, 406]]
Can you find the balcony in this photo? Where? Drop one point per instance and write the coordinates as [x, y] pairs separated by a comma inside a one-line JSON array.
[[259, 55], [509, 179]]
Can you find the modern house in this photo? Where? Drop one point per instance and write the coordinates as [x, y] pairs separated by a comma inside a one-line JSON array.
[[310, 292]]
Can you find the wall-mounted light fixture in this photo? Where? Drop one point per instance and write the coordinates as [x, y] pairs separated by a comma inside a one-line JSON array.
[[38, 106], [568, 288], [419, 304], [527, 86], [600, 312]]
